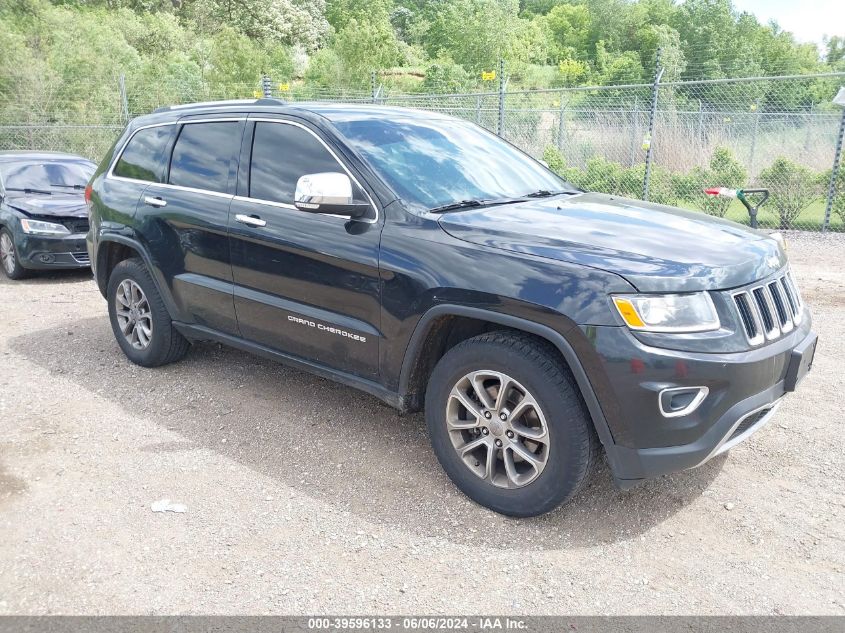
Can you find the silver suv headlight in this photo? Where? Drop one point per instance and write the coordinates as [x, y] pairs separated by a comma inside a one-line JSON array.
[[37, 227], [692, 312]]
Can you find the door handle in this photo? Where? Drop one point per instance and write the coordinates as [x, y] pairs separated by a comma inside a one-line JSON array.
[[155, 202], [251, 220]]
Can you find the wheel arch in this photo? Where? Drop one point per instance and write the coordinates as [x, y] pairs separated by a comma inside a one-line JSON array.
[[113, 249], [416, 362]]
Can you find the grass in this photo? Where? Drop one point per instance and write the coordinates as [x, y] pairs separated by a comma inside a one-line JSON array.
[[811, 218]]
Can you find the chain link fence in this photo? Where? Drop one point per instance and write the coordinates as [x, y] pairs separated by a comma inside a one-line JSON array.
[[663, 141]]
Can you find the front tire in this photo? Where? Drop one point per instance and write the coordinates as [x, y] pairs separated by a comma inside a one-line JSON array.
[[508, 424], [139, 319], [9, 260]]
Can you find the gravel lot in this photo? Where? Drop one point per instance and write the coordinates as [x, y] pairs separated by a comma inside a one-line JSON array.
[[307, 497]]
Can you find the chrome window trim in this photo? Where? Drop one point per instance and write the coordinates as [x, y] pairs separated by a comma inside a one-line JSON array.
[[208, 192], [110, 173], [111, 176], [333, 154], [271, 203]]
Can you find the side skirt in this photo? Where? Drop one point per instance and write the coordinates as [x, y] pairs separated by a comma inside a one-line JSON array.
[[201, 333]]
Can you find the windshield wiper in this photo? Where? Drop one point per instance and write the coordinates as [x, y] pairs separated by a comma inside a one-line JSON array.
[[481, 202], [28, 190], [545, 193], [69, 186]]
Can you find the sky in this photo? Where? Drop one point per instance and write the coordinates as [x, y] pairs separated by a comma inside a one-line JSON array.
[[809, 20]]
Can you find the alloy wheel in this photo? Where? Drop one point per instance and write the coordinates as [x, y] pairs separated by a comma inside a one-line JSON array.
[[7, 253], [133, 314], [498, 429]]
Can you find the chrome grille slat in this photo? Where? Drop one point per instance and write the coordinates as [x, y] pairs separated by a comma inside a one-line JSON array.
[[768, 310], [781, 307], [770, 326], [793, 305]]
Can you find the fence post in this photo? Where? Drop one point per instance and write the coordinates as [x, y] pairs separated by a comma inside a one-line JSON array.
[[635, 129], [265, 87], [700, 127], [831, 188], [500, 127], [124, 102], [478, 109], [658, 73], [753, 149], [373, 89], [561, 124]]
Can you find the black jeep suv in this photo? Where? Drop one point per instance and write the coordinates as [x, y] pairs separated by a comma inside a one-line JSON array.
[[432, 264]]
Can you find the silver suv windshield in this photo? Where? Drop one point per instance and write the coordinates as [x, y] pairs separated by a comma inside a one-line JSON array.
[[433, 163], [46, 176]]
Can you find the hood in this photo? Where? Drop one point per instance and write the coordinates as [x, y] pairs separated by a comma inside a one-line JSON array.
[[57, 205], [655, 247]]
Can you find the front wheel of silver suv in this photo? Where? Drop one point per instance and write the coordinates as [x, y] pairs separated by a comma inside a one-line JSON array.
[[139, 319], [508, 424]]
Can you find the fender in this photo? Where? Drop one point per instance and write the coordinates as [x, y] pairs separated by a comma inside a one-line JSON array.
[[155, 272], [543, 331]]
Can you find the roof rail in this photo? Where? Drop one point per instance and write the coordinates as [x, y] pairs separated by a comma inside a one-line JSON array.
[[270, 101], [230, 102]]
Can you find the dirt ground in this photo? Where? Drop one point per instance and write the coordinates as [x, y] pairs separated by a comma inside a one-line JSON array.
[[306, 497]]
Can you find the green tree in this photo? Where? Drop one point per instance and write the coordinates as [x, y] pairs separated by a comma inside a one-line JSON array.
[[792, 189], [364, 47], [724, 170], [568, 26]]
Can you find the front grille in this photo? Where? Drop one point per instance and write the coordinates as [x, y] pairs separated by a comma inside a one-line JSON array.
[[749, 422], [769, 310], [81, 257], [76, 226]]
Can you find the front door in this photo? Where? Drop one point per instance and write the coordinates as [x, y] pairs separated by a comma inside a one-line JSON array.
[[305, 284]]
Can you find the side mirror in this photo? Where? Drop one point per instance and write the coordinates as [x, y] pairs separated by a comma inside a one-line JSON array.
[[328, 192]]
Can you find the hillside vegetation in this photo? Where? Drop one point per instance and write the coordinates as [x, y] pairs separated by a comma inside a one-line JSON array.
[[70, 52]]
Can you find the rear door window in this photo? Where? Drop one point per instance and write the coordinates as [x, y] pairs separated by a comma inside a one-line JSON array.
[[143, 157], [281, 153], [203, 154]]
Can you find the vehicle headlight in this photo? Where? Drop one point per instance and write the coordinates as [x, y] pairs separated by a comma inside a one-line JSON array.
[[692, 312], [37, 227]]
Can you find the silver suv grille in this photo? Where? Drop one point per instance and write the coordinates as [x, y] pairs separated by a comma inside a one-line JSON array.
[[770, 309]]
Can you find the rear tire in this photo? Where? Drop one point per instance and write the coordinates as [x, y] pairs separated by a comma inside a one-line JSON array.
[[139, 319], [535, 447], [9, 260]]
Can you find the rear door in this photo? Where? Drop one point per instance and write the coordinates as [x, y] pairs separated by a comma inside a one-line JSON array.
[[305, 284], [141, 162], [185, 220]]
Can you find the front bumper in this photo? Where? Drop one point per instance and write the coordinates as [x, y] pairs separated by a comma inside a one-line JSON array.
[[744, 390], [38, 252]]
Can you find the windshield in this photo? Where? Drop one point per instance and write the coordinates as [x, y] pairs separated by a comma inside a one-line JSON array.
[[46, 175], [436, 162]]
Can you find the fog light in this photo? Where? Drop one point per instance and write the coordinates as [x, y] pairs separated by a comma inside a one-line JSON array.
[[46, 258], [679, 401]]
